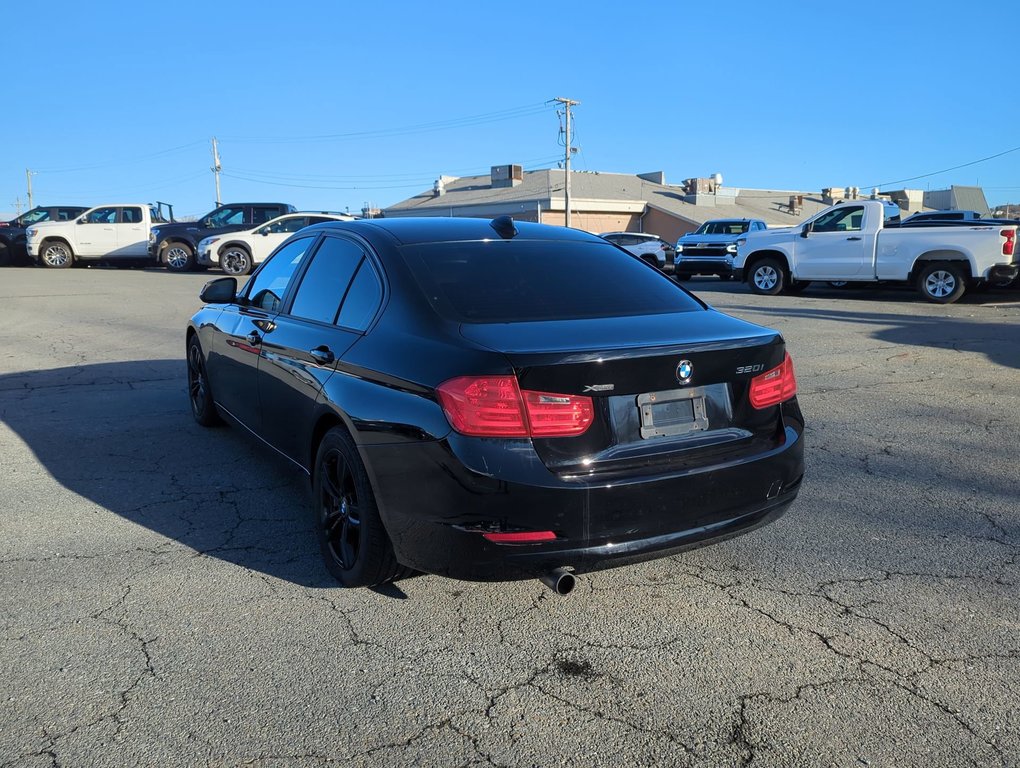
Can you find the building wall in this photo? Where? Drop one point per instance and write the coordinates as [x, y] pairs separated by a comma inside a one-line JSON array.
[[594, 222], [669, 228]]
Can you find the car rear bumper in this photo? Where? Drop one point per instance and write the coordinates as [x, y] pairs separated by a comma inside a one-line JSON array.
[[437, 521]]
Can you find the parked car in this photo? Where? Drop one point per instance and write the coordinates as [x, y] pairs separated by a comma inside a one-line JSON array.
[[849, 242], [12, 233], [944, 215], [466, 402], [175, 245], [709, 250], [115, 232], [649, 247], [237, 252]]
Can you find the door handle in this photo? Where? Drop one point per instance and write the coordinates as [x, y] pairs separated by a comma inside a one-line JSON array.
[[264, 325], [253, 338], [322, 355], [853, 238]]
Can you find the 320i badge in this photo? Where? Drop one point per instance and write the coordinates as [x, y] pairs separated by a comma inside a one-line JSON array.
[[467, 402]]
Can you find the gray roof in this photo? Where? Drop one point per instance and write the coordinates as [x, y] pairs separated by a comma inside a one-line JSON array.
[[969, 199], [538, 187]]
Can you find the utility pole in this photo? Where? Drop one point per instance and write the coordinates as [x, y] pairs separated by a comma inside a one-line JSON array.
[[216, 168], [28, 175], [17, 206], [567, 104]]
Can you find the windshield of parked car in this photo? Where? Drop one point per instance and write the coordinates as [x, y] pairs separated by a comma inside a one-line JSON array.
[[33, 217], [529, 280], [722, 228], [226, 217]]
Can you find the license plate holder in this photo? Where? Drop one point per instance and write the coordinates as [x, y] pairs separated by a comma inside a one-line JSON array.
[[671, 412]]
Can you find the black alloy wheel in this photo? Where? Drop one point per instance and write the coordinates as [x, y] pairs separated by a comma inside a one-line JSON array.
[[202, 406], [354, 543], [236, 261]]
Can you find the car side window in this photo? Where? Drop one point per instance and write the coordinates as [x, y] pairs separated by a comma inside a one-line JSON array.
[[102, 216], [262, 213], [268, 286], [131, 215], [326, 281], [292, 224], [362, 300], [842, 219]]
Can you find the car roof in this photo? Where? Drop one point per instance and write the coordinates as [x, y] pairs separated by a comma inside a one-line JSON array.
[[421, 229]]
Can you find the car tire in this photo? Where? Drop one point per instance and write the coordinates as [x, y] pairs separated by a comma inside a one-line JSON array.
[[56, 254], [179, 257], [203, 407], [6, 259], [354, 543], [837, 283], [942, 282], [682, 277], [236, 261], [767, 277]]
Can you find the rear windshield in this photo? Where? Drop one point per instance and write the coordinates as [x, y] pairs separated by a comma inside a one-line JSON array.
[[503, 281], [722, 228]]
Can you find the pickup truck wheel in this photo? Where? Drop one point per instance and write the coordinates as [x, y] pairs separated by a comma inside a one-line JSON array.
[[56, 255], [179, 257], [838, 283], [236, 261], [767, 277], [942, 282]]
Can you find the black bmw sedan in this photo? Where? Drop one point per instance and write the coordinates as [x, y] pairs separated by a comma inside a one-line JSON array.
[[467, 402]]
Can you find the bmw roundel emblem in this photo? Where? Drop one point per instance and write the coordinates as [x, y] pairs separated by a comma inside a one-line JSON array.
[[684, 371]]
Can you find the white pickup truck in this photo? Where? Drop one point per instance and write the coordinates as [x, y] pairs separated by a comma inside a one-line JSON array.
[[116, 231], [847, 242]]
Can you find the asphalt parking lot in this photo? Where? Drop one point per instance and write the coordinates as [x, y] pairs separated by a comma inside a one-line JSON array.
[[164, 600]]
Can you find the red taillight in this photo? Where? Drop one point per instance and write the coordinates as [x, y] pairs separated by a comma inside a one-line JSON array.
[[520, 537], [1010, 244], [774, 386], [495, 406]]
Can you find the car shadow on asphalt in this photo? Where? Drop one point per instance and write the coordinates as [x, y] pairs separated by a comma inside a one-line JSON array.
[[122, 436]]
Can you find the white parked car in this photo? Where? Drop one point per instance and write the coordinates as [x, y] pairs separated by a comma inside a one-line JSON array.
[[648, 247], [237, 253]]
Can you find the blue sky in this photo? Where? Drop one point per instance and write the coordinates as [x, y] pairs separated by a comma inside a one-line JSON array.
[[332, 105]]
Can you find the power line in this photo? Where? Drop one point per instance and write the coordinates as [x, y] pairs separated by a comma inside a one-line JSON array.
[[127, 161], [944, 170], [438, 125], [387, 177]]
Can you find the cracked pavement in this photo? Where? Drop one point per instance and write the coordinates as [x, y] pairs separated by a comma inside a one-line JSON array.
[[163, 600]]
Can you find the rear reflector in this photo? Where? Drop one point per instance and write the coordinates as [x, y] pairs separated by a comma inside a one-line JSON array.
[[495, 406], [774, 386], [520, 537], [1010, 243]]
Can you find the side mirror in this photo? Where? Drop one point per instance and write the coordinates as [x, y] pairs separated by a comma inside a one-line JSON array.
[[207, 222], [82, 219], [264, 233], [222, 290], [806, 229]]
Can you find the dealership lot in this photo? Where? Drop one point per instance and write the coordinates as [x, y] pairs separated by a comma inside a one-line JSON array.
[[165, 601]]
